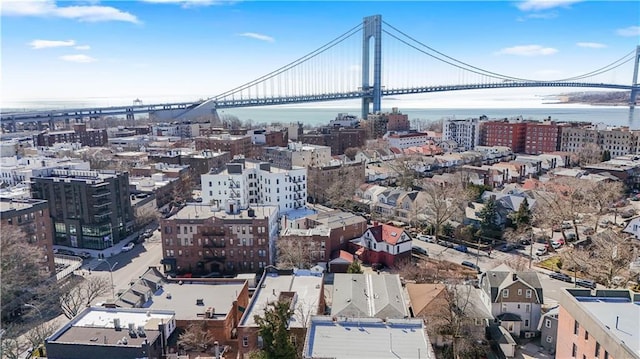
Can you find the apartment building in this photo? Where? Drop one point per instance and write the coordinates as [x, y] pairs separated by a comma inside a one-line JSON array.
[[14, 171], [466, 133], [199, 162], [510, 133], [87, 137], [89, 209], [602, 324], [339, 139], [407, 139], [256, 183], [323, 178], [542, 137], [619, 141], [201, 241], [297, 155], [234, 144], [31, 216]]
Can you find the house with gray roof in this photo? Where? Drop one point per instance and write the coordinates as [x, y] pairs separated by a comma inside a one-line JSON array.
[[368, 296], [514, 298]]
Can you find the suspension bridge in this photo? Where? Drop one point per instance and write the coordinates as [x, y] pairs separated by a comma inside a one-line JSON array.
[[354, 65]]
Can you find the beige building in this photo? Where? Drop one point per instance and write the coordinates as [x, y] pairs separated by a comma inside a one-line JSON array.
[[618, 142]]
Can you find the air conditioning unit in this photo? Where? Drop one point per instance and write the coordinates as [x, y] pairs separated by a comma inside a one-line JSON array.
[[529, 335]]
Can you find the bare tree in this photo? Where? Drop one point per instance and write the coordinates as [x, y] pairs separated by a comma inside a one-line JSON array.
[[404, 169], [442, 203], [22, 267], [296, 252], [82, 294], [341, 191], [146, 216], [42, 331], [589, 154], [609, 256], [196, 337], [601, 196]]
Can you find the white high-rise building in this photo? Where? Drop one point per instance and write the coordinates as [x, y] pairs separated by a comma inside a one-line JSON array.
[[251, 182], [466, 133]]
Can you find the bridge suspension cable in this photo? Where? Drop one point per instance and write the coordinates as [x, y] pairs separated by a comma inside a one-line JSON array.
[[349, 33], [468, 67]]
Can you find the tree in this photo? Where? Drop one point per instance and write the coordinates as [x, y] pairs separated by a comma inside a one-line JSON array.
[[442, 203], [589, 154], [81, 294], [606, 155], [273, 328], [196, 337], [294, 251], [404, 169], [450, 318], [354, 267], [609, 255], [488, 218], [521, 218], [21, 269]]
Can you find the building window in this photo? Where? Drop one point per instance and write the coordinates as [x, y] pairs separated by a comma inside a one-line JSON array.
[[528, 293], [519, 291], [505, 293], [547, 323], [574, 350], [606, 354], [549, 339], [586, 335], [245, 341], [526, 322], [576, 327], [597, 353]]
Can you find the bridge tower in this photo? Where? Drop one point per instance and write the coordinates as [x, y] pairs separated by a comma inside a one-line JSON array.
[[634, 81], [371, 28]]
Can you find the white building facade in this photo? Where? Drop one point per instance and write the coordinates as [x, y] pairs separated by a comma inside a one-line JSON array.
[[406, 140], [466, 133], [256, 183]]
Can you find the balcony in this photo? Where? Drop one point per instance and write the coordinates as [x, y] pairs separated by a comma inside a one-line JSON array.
[[100, 194]]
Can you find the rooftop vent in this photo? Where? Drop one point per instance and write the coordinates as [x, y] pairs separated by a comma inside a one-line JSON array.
[[199, 301]]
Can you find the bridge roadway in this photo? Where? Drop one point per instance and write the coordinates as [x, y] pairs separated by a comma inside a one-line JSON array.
[[229, 102]]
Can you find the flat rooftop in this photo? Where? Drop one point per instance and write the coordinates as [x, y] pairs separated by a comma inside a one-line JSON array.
[[307, 286], [97, 326], [182, 298], [202, 211], [7, 205], [620, 316], [367, 338]]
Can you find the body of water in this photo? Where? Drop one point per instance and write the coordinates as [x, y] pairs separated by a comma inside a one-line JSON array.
[[611, 116]]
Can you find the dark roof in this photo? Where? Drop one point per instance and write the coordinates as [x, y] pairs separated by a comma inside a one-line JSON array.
[[497, 276], [509, 317]]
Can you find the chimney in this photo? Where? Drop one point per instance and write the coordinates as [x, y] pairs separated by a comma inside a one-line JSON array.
[[617, 320], [514, 276]]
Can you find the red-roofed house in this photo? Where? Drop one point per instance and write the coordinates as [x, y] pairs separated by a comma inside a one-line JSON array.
[[341, 263], [382, 243]]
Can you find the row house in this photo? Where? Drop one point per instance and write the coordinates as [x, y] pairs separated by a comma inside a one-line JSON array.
[[200, 240], [80, 133]]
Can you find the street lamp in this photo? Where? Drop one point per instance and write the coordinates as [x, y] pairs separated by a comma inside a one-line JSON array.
[[34, 307], [113, 294]]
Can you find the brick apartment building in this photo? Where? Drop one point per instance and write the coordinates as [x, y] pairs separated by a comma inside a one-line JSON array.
[[504, 133], [235, 145], [199, 241], [199, 163], [397, 121], [80, 133], [339, 139], [322, 179], [31, 216]]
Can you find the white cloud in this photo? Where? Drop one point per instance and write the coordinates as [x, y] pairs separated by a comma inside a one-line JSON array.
[[83, 47], [49, 8], [257, 36], [79, 58], [629, 31], [538, 5], [591, 45], [527, 50], [46, 44], [190, 3], [543, 15]]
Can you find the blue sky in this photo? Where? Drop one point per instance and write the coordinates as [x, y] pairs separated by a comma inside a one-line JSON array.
[[160, 50]]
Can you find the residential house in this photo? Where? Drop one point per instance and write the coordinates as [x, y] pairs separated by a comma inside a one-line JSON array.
[[384, 244], [632, 226], [368, 296], [548, 328], [514, 298]]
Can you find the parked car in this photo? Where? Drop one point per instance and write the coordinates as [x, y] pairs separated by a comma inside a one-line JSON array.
[[556, 244], [561, 276], [506, 247], [587, 283], [446, 244], [471, 265], [461, 248], [524, 242], [420, 250], [588, 231], [129, 246], [66, 252], [541, 251], [425, 238], [85, 255]]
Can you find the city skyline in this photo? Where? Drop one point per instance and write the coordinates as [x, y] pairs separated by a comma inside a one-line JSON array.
[[163, 50]]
